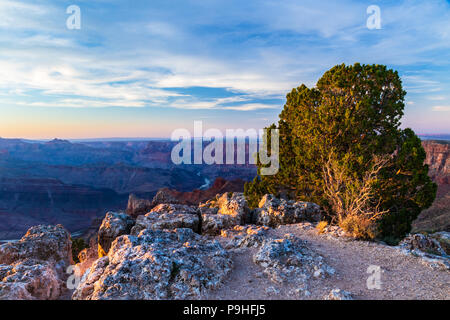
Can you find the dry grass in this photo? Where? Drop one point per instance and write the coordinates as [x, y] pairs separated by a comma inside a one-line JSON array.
[[360, 227], [321, 226]]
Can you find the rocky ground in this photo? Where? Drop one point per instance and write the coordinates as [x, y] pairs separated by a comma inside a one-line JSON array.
[[404, 276], [222, 249]]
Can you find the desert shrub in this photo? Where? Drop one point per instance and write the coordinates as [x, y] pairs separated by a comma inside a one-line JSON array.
[[321, 226], [78, 244], [352, 200], [359, 226]]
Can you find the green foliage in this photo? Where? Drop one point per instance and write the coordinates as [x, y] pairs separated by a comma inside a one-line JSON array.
[[254, 191], [78, 245], [353, 112], [405, 188]]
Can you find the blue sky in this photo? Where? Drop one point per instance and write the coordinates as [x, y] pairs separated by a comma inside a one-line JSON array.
[[145, 68]]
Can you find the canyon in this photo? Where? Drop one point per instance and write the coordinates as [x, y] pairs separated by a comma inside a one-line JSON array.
[[437, 217], [187, 238], [76, 183]]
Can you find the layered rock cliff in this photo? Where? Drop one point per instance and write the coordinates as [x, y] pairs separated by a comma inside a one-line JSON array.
[[438, 160], [437, 217]]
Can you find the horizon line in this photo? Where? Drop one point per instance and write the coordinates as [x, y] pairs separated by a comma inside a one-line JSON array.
[[112, 139]]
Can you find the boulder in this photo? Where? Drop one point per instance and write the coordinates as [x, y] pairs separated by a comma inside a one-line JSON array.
[[208, 210], [168, 217], [274, 212], [166, 221], [30, 280], [335, 232], [212, 224], [137, 206], [34, 267], [174, 209], [443, 238], [156, 265], [87, 257], [113, 225], [422, 243], [428, 248], [249, 236], [235, 205], [88, 254], [42, 243], [226, 211]]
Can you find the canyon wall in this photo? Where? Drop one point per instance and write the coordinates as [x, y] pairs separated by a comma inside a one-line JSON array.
[[437, 217]]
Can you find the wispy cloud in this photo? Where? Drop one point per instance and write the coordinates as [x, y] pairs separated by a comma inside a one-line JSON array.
[[441, 108], [251, 107], [151, 53]]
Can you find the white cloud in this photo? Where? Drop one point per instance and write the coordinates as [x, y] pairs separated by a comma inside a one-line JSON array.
[[437, 98], [441, 108], [252, 106]]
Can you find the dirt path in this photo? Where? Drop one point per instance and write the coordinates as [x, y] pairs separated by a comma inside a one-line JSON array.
[[402, 277]]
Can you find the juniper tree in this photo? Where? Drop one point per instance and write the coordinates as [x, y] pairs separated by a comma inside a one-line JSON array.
[[353, 112]]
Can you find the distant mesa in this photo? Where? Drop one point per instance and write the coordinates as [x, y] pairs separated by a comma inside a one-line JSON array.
[[58, 142]]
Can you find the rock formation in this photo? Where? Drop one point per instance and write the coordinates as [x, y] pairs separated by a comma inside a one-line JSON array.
[[438, 160], [220, 186], [168, 217], [169, 253], [86, 257], [114, 224], [223, 212], [157, 264], [248, 236], [432, 249], [274, 212], [34, 267], [425, 243]]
